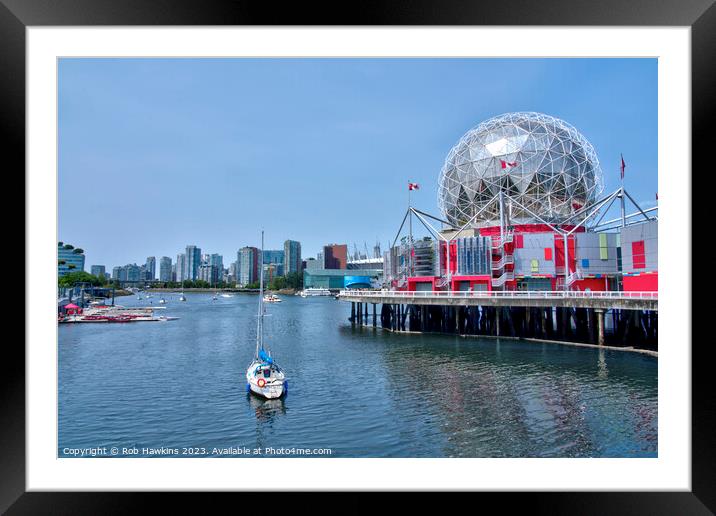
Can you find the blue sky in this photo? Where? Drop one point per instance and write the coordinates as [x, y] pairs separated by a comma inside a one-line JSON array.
[[155, 154]]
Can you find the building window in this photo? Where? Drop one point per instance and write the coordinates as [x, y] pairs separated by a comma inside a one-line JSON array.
[[603, 254], [638, 256]]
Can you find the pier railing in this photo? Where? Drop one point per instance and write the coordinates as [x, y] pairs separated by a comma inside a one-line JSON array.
[[557, 294]]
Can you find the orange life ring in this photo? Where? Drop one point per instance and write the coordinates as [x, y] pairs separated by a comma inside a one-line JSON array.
[[261, 382]]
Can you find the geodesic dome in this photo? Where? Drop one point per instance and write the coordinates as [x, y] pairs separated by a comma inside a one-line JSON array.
[[540, 162]]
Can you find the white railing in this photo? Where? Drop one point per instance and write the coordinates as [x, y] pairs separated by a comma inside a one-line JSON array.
[[576, 275], [505, 260], [498, 241], [506, 276], [515, 294]]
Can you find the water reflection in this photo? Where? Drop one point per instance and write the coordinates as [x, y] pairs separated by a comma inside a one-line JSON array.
[[266, 411], [509, 398]]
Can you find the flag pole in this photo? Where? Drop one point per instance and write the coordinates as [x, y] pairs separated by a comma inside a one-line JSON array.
[[621, 167], [410, 229]]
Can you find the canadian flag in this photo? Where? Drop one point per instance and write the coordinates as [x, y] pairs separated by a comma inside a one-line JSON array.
[[413, 186], [507, 164]]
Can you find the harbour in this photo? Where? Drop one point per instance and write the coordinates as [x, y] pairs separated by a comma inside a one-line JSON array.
[[358, 391], [513, 311]]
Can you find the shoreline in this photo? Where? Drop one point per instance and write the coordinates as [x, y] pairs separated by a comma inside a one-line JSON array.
[[632, 349], [283, 291]]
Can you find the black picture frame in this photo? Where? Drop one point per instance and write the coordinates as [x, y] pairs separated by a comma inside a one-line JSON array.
[[700, 15]]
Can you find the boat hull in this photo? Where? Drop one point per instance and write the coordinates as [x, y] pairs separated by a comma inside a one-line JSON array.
[[269, 392], [269, 387]]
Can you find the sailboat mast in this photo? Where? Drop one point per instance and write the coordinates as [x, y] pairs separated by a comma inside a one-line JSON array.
[[260, 328]]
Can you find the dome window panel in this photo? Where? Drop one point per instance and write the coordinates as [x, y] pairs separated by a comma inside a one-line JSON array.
[[554, 164]]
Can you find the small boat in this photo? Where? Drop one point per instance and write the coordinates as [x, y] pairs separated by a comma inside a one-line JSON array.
[[182, 297], [272, 298], [215, 296], [263, 376], [227, 295], [162, 301]]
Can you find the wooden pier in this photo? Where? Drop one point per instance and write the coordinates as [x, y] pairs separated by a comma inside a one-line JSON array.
[[618, 318]]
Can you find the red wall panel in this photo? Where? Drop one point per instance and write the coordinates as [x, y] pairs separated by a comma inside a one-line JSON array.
[[637, 253], [593, 284], [641, 283]]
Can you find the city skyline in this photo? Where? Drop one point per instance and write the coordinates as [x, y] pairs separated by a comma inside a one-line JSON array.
[[303, 139]]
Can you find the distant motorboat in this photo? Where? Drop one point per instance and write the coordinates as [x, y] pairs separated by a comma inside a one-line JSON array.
[[162, 301], [227, 295], [272, 298]]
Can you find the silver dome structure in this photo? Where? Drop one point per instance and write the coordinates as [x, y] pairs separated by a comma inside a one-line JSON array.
[[545, 169]]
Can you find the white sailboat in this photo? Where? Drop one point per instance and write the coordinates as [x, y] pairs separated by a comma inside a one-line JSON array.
[[263, 376], [182, 297]]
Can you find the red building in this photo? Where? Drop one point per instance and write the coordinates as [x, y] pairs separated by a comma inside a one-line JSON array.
[[335, 256]]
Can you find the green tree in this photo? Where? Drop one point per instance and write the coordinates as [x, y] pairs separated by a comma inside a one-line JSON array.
[[69, 280]]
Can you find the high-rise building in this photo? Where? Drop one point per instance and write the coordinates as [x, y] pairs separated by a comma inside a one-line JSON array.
[[292, 256], [151, 273], [193, 260], [211, 268], [312, 264], [277, 258], [270, 272], [116, 272], [181, 268], [248, 265], [97, 270], [69, 259], [335, 256], [133, 272], [216, 260], [321, 261], [165, 268]]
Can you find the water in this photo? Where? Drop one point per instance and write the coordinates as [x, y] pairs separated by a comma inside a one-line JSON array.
[[358, 392]]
